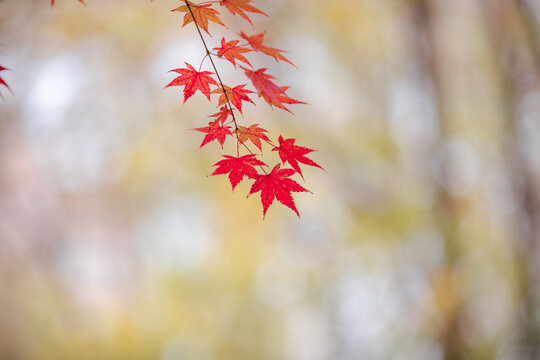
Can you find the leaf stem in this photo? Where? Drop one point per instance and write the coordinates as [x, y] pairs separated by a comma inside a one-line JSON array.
[[268, 141], [202, 61]]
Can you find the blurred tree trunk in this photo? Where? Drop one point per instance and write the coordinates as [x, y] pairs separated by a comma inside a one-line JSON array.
[[446, 207], [511, 29]]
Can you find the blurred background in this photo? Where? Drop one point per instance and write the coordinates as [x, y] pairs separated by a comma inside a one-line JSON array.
[[420, 241]]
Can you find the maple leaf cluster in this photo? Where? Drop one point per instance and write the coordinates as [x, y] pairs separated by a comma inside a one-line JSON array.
[[272, 184]]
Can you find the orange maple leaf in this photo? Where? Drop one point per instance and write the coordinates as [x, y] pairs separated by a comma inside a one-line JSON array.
[[239, 6], [193, 80], [236, 95], [252, 133], [202, 14], [231, 51], [256, 43]]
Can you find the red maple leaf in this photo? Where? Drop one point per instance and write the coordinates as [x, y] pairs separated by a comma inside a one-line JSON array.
[[239, 6], [193, 80], [277, 185], [202, 14], [256, 43], [81, 1], [232, 52], [237, 167], [293, 154], [263, 82], [282, 99], [236, 95], [253, 133], [214, 131], [2, 81], [223, 114], [270, 91]]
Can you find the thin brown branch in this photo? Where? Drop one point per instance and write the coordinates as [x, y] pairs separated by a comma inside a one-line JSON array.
[[209, 54]]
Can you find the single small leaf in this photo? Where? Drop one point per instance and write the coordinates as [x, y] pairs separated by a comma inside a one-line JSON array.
[[239, 6], [293, 154], [193, 80], [237, 167], [232, 52], [223, 114], [236, 95], [3, 82], [277, 185], [202, 14], [256, 43], [282, 99], [252, 133], [270, 91], [214, 131], [263, 82]]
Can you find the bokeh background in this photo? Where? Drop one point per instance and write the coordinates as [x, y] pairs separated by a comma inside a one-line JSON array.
[[420, 241]]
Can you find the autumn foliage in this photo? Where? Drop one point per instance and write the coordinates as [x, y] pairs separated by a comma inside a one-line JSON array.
[[250, 138], [244, 165]]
